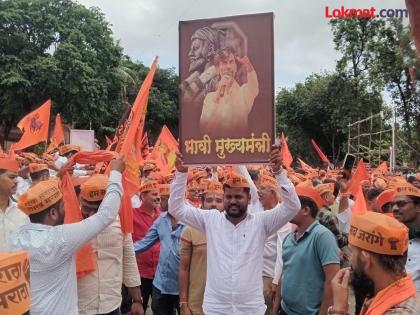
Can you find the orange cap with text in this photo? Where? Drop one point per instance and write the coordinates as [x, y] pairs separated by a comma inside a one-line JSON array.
[[40, 197], [214, 186], [94, 188], [149, 185], [236, 181], [406, 189], [164, 189], [378, 233]]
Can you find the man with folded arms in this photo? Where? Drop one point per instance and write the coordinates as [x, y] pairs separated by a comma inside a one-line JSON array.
[[379, 249], [235, 239], [100, 291], [51, 244]]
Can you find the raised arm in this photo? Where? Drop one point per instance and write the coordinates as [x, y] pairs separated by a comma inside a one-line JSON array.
[[77, 234], [274, 219], [177, 206]]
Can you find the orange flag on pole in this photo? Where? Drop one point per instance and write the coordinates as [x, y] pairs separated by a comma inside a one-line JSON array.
[[381, 169], [285, 152], [359, 206], [359, 174], [58, 134], [320, 153], [85, 260], [34, 126], [164, 151], [127, 147], [306, 167], [1, 150]]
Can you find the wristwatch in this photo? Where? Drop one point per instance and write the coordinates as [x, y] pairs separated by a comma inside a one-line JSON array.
[[332, 311]]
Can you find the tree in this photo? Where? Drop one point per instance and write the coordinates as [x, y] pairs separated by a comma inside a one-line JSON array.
[[381, 54], [321, 108], [59, 50], [65, 51]]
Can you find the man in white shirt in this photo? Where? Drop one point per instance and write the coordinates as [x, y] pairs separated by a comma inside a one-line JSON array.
[[10, 216], [51, 244], [235, 239], [100, 291]]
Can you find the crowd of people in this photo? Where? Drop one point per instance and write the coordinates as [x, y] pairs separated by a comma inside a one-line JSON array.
[[243, 240]]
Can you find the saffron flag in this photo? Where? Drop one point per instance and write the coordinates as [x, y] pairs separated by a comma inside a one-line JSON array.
[[359, 175], [127, 147], [34, 126], [381, 169], [85, 259], [359, 206], [320, 153], [1, 151], [285, 152], [58, 134], [164, 151], [306, 167]]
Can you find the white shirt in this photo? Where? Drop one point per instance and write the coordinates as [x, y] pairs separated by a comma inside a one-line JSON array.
[[281, 235], [51, 249], [22, 187], [344, 218], [413, 261], [10, 220], [100, 291], [234, 253]]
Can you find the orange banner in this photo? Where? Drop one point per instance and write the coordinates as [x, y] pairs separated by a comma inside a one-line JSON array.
[[359, 174], [127, 147], [34, 126], [14, 283], [285, 152], [164, 151], [320, 153], [58, 135]]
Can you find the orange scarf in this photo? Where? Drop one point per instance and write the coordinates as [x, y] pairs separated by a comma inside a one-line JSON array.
[[85, 260], [394, 294]]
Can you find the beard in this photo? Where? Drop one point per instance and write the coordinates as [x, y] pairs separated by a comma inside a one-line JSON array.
[[362, 284], [60, 219], [196, 64], [238, 212]]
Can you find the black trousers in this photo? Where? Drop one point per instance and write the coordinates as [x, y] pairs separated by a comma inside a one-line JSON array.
[[146, 291], [114, 312], [164, 304], [282, 313]]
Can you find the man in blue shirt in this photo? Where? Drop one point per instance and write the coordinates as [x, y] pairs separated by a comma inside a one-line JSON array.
[[167, 230], [311, 260]]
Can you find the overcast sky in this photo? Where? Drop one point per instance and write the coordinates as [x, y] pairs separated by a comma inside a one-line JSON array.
[[303, 38]]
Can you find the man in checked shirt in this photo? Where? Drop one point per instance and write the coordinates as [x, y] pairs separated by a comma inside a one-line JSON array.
[[235, 239]]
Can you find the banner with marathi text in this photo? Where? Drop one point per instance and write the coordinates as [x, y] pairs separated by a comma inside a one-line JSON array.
[[227, 89], [14, 283]]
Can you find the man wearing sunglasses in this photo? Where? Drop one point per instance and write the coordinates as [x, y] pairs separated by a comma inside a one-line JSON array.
[[406, 209]]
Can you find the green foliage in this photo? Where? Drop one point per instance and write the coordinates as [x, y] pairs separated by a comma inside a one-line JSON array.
[[65, 51], [321, 108]]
